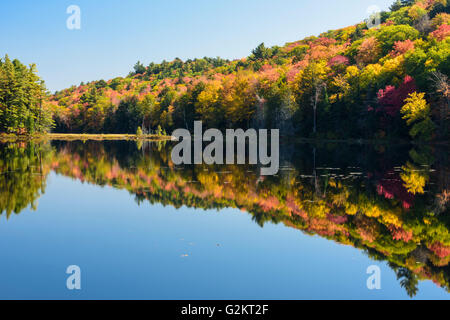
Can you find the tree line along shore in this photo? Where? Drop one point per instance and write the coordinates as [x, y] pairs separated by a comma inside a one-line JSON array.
[[384, 82]]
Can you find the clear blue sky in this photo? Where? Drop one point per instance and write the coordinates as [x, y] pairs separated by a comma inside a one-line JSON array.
[[116, 33]]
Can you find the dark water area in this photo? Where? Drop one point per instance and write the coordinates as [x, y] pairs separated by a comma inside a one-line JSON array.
[[140, 227]]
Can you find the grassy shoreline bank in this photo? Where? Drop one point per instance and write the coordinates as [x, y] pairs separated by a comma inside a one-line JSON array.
[[10, 137], [82, 136]]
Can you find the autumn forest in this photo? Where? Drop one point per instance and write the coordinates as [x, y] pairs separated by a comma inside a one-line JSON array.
[[385, 82], [363, 114]]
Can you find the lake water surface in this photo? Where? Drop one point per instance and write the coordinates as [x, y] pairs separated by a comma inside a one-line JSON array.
[[141, 228]]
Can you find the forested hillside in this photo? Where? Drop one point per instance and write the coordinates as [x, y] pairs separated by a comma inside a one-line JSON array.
[[388, 81]]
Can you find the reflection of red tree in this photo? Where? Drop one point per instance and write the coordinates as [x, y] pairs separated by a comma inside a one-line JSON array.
[[269, 204], [337, 219], [325, 227], [400, 233], [439, 249], [367, 228], [294, 208], [391, 187]]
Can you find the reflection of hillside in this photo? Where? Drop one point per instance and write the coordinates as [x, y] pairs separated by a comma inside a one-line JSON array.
[[393, 209]]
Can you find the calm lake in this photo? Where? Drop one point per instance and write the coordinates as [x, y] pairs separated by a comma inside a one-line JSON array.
[[139, 227]]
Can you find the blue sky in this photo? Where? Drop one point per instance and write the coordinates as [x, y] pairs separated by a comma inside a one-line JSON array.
[[115, 34]]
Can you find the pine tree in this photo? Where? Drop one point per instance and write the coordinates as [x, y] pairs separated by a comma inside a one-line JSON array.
[[22, 99]]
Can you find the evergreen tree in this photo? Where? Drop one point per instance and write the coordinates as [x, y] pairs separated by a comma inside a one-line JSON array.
[[22, 99]]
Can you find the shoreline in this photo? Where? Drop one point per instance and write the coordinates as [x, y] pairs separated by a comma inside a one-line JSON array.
[[82, 137], [11, 137]]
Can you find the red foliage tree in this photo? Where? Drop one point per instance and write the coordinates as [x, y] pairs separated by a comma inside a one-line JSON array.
[[338, 60], [392, 99], [441, 33], [401, 47]]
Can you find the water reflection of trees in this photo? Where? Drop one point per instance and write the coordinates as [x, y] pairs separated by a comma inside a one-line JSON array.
[[391, 202], [23, 172]]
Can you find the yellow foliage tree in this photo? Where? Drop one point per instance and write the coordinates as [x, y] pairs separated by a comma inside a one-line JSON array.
[[207, 102], [416, 112]]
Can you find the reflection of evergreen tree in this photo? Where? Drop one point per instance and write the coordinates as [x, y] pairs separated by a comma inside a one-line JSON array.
[[23, 171], [261, 217], [408, 281]]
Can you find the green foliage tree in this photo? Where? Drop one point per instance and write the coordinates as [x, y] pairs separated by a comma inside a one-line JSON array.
[[139, 68], [388, 35], [261, 52], [128, 115], [23, 98]]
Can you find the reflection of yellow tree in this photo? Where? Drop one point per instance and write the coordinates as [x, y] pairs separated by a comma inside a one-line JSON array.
[[414, 179], [210, 181]]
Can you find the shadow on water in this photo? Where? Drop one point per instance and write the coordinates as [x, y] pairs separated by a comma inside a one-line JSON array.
[[392, 202]]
